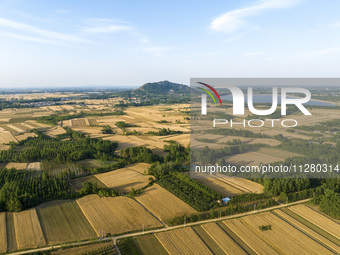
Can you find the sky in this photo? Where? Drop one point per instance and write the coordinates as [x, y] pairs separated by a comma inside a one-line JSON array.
[[128, 43]]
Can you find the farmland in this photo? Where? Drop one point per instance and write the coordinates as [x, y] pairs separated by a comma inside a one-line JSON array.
[[228, 186], [163, 204], [68, 148], [115, 215], [222, 239], [149, 244], [244, 236], [323, 222], [123, 180], [17, 166], [173, 242], [28, 230], [263, 155], [63, 221], [3, 233]]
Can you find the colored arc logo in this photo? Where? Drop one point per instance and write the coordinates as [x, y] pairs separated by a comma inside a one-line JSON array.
[[208, 92]]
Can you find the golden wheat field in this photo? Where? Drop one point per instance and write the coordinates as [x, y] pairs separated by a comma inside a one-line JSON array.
[[283, 237], [163, 204], [6, 137], [53, 132], [307, 230], [241, 183], [17, 166], [140, 167], [263, 155], [320, 220], [34, 166], [63, 221], [249, 237], [124, 179], [217, 184], [116, 215], [28, 230], [4, 147], [222, 239], [25, 136], [3, 233], [182, 241]]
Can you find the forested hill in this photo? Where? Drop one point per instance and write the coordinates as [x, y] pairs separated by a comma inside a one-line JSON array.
[[162, 87]]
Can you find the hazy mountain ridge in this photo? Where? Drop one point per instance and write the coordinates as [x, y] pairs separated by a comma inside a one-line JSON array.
[[162, 87]]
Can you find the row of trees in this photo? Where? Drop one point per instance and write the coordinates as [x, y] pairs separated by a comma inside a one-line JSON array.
[[23, 189], [164, 132], [76, 148], [229, 210], [199, 196]]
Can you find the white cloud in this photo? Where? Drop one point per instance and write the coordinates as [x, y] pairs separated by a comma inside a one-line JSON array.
[[158, 51], [255, 53], [24, 37], [35, 31], [234, 20], [335, 24], [99, 26], [320, 52]]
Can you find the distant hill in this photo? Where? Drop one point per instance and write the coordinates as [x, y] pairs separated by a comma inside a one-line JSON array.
[[162, 87]]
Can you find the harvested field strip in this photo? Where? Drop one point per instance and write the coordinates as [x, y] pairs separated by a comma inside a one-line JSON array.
[[163, 204], [21, 126], [212, 245], [124, 179], [282, 236], [182, 241], [78, 123], [17, 166], [11, 237], [317, 219], [312, 226], [312, 234], [63, 221], [3, 233], [236, 239], [249, 237], [28, 230], [150, 245], [116, 215], [93, 122], [225, 242], [77, 183], [6, 137], [139, 167], [87, 123], [34, 166], [15, 128], [234, 185], [218, 185]]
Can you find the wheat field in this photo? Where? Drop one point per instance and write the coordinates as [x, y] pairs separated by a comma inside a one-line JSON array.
[[63, 221], [309, 231], [285, 238], [116, 215], [28, 230], [248, 236], [124, 179], [163, 204], [3, 233], [182, 241], [222, 239], [318, 219]]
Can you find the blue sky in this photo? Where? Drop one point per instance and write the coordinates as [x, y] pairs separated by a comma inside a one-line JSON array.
[[127, 43]]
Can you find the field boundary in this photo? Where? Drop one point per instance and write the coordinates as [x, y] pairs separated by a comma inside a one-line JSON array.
[[115, 238]]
